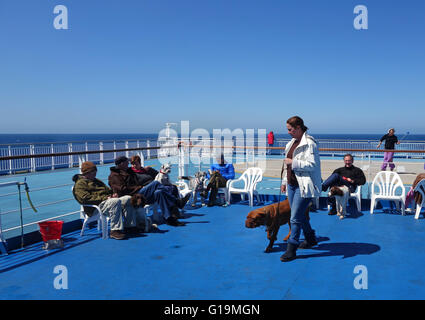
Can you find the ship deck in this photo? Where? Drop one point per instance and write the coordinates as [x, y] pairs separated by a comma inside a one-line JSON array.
[[215, 257]]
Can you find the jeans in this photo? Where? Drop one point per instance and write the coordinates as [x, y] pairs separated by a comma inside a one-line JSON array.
[[112, 207], [336, 180], [298, 219], [269, 151], [155, 192]]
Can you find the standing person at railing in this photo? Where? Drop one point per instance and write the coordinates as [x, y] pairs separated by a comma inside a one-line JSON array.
[[302, 183], [390, 141], [270, 141]]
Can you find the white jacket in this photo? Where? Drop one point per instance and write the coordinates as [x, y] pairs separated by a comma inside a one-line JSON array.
[[306, 166]]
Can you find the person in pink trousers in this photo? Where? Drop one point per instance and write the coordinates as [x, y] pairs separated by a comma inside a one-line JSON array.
[[390, 141]]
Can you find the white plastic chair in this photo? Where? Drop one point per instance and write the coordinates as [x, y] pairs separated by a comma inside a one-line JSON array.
[[387, 183], [357, 196], [420, 187], [250, 177], [102, 222]]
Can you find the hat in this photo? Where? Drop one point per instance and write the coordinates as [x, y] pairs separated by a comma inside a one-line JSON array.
[[120, 160], [87, 167]]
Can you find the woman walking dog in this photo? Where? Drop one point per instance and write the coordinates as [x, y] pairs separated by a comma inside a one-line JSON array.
[[302, 183]]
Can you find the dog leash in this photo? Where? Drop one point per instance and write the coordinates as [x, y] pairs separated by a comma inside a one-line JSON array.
[[280, 186]]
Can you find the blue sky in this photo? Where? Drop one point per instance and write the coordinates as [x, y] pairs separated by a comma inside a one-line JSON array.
[[130, 66]]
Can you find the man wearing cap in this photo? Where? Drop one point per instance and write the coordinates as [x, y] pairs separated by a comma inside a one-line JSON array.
[[123, 181], [90, 190]]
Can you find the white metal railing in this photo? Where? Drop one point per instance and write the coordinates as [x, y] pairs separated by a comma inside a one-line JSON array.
[[52, 162]]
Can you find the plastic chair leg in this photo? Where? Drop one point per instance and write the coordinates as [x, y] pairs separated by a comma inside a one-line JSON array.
[[418, 211]]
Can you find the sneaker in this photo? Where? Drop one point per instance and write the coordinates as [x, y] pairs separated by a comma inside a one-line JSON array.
[[117, 235]]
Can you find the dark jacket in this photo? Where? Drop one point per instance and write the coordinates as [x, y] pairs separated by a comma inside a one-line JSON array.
[[354, 173], [146, 177], [123, 182], [90, 192], [390, 141]]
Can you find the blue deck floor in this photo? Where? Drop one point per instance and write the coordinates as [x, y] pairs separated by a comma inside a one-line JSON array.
[[215, 257]]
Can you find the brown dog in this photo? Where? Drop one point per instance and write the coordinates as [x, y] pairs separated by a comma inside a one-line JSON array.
[[137, 200], [269, 217]]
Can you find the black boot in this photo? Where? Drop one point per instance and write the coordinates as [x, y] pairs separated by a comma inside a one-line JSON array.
[[182, 202], [290, 254], [310, 241]]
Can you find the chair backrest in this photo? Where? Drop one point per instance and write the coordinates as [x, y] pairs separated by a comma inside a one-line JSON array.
[[82, 212], [251, 177], [420, 187], [387, 183]]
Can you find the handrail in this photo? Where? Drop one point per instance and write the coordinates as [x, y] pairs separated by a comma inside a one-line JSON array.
[[71, 141], [42, 155]]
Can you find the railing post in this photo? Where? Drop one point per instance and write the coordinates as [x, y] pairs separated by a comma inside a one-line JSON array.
[[369, 175], [9, 149], [101, 153], [71, 160], [53, 157], [127, 154], [32, 161], [148, 145], [115, 148]]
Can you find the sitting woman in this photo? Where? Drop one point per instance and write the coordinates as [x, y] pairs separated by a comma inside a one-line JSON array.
[[218, 175], [146, 175]]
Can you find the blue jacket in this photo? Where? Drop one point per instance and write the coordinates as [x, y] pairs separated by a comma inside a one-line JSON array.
[[227, 170]]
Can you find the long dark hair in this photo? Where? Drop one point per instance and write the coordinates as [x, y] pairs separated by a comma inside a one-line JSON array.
[[296, 121]]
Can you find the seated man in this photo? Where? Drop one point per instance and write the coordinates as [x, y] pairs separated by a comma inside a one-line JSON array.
[[218, 176], [348, 175], [89, 190], [123, 181]]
